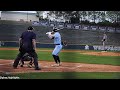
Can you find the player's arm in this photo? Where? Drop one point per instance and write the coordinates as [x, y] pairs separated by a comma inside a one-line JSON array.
[[34, 41], [53, 35], [20, 42], [102, 38], [34, 44]]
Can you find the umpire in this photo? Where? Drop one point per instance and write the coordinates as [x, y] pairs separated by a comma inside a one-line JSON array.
[[27, 44]]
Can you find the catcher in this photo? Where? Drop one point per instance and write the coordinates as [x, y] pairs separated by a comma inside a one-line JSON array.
[[26, 57]]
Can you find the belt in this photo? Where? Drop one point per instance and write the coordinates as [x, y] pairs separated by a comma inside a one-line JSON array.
[[57, 44]]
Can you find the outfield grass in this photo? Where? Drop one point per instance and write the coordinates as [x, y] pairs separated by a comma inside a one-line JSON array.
[[70, 75], [67, 57]]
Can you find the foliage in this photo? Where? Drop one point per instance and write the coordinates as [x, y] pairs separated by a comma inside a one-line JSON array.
[[104, 18]]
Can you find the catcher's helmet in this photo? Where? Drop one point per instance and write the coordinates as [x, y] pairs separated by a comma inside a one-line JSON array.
[[27, 58], [30, 28]]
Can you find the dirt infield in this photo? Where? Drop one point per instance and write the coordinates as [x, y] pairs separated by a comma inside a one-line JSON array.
[[6, 65]]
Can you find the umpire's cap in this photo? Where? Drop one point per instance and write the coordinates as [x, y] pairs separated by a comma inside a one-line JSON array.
[[30, 28]]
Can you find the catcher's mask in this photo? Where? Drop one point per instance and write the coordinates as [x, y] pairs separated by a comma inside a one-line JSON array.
[[27, 58]]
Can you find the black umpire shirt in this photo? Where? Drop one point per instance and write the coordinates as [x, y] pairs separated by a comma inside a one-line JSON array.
[[27, 37]]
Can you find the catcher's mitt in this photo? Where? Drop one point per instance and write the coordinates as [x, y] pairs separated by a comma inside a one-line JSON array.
[[64, 43]]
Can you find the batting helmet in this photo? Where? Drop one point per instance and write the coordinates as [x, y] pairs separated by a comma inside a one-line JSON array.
[[55, 29]]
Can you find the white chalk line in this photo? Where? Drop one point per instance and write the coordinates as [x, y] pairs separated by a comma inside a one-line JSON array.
[[61, 67], [6, 64], [10, 63]]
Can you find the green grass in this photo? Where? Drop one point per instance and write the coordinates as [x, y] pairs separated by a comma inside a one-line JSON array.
[[8, 54], [66, 57], [70, 75], [77, 57]]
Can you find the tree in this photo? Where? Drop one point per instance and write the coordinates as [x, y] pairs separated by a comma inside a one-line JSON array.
[[113, 16], [39, 15], [83, 15], [80, 16], [94, 15], [102, 16], [67, 15]]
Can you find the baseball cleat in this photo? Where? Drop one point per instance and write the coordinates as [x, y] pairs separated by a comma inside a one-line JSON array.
[[55, 65], [59, 64], [14, 67], [37, 68]]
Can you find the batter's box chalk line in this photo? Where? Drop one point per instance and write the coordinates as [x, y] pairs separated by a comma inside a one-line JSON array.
[[46, 66], [5, 64]]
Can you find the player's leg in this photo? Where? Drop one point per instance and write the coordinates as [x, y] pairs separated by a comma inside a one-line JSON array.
[[56, 52], [21, 63], [55, 58], [18, 58], [31, 61], [103, 45], [30, 64], [35, 57], [59, 62]]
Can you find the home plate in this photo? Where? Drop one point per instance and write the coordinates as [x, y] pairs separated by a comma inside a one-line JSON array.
[[79, 66], [103, 51], [45, 66]]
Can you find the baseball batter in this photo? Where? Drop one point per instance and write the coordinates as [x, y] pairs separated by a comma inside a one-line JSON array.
[[55, 35]]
